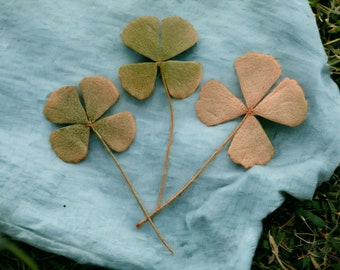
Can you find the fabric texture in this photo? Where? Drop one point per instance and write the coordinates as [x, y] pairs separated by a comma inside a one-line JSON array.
[[85, 211]]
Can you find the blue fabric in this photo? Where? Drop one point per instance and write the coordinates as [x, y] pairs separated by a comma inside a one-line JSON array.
[[85, 211]]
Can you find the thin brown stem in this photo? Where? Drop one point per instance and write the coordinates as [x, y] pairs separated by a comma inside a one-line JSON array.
[[195, 176], [168, 149], [132, 189]]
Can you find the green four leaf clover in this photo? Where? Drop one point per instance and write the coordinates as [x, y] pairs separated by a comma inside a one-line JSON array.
[[160, 41], [64, 107], [116, 132]]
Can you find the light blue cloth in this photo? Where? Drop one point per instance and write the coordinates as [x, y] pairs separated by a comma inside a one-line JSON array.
[[85, 211]]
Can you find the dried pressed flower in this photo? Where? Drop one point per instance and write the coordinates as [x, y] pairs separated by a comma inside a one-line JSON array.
[[116, 132], [159, 42], [64, 107], [285, 104]]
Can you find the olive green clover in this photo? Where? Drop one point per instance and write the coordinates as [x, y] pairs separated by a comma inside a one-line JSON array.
[[159, 42], [116, 132], [63, 106]]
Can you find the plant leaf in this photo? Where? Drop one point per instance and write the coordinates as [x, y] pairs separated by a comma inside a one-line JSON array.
[[181, 78], [63, 107], [117, 130], [99, 95], [256, 73], [313, 218], [71, 143], [142, 35], [286, 104], [177, 35], [250, 144], [138, 79], [273, 245], [217, 104]]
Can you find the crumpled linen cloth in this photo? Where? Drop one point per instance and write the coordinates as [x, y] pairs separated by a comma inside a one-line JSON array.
[[85, 211]]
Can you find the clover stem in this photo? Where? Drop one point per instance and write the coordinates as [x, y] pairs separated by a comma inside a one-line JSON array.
[[195, 176], [132, 189], [168, 149]]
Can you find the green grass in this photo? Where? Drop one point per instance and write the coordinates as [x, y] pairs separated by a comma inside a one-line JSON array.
[[327, 14], [298, 235], [303, 234], [17, 255]]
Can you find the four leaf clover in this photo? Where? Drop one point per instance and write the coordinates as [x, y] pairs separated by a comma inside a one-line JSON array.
[[64, 107], [160, 41], [285, 104], [116, 132]]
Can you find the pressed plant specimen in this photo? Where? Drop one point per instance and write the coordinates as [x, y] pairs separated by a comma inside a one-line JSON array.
[[285, 104], [116, 132], [160, 41]]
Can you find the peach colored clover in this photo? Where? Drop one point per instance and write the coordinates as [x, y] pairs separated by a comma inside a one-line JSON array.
[[285, 104]]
